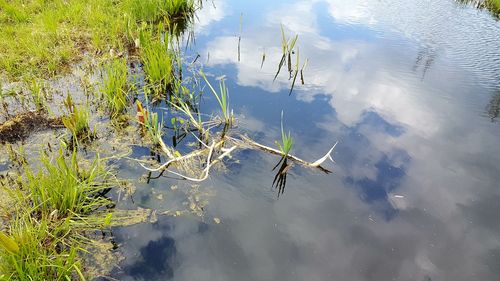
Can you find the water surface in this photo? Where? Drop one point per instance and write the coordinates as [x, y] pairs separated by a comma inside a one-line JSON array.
[[406, 87]]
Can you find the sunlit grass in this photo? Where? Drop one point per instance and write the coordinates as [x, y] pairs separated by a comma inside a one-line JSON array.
[[39, 240], [157, 60], [38, 250], [43, 38], [287, 141], [67, 187], [37, 94], [222, 98], [160, 10], [115, 89], [77, 120]]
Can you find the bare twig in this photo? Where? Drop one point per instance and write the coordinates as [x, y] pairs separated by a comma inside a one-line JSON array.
[[315, 164]]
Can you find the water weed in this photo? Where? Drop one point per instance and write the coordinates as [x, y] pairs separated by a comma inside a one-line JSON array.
[[77, 120], [38, 249], [222, 98], [38, 94], [115, 87], [287, 46], [47, 213], [287, 141], [157, 61]]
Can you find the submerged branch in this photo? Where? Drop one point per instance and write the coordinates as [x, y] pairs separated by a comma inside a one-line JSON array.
[[241, 142], [315, 164]]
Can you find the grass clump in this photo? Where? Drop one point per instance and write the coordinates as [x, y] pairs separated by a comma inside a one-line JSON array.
[[40, 240], [115, 88], [168, 11], [66, 188], [222, 98], [38, 250], [287, 141], [151, 123], [38, 94], [286, 145], [77, 121], [157, 61], [43, 38]]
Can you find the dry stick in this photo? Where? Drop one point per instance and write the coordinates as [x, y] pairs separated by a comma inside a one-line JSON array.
[[177, 159], [209, 165], [315, 164]]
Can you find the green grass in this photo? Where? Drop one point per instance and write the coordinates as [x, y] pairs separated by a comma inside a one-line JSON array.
[[222, 98], [67, 188], [40, 240], [41, 252], [38, 94], [42, 38], [495, 4], [287, 141], [287, 45], [157, 61], [154, 11], [115, 88], [77, 121]]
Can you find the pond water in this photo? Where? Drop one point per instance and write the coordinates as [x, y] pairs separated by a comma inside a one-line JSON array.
[[409, 89]]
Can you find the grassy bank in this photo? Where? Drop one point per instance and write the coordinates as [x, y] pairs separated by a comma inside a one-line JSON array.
[[47, 211], [43, 38], [492, 5]]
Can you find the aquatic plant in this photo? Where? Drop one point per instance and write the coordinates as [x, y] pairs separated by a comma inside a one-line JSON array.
[[46, 213], [66, 187], [77, 121], [152, 125], [154, 11], [287, 46], [157, 61], [37, 94], [287, 141], [222, 98], [115, 86], [38, 249]]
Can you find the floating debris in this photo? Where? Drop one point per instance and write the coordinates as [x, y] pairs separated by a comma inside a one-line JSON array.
[[22, 125]]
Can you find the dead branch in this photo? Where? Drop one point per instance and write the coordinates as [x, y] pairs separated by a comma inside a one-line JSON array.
[[206, 171], [316, 164], [238, 143]]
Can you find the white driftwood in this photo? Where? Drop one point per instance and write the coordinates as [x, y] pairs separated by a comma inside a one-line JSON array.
[[315, 164], [241, 142]]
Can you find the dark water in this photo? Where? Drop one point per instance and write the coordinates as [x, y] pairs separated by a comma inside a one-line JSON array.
[[408, 88]]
